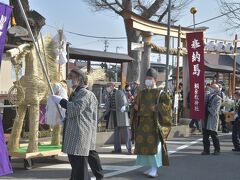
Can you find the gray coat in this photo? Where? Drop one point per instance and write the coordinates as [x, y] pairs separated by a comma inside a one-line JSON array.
[[213, 113], [80, 124], [122, 118]]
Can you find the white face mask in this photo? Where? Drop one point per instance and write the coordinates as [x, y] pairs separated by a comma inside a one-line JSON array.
[[148, 83], [69, 83], [109, 89]]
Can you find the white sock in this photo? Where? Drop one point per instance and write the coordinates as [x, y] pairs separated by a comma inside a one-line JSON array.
[[153, 171]]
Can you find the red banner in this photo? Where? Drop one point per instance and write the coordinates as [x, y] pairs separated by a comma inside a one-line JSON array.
[[195, 46]]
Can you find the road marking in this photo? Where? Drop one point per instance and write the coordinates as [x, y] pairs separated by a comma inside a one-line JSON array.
[[116, 170]]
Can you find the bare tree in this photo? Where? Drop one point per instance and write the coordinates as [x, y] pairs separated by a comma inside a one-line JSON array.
[[231, 9], [150, 9]]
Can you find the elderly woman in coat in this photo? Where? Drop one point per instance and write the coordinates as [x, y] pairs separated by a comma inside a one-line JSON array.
[[80, 127], [118, 117]]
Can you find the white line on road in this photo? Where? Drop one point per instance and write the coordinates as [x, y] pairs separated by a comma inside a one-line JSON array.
[[116, 170]]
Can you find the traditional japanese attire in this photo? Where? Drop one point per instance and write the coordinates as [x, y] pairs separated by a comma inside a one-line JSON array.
[[150, 146]]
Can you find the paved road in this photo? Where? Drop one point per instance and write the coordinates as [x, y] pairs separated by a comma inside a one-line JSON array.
[[186, 164]]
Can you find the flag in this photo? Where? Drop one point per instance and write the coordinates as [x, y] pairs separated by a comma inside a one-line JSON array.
[[5, 166], [195, 47], [5, 14]]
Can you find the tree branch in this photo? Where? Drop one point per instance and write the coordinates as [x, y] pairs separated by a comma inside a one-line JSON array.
[[163, 14], [140, 6], [119, 4], [110, 5], [152, 9]]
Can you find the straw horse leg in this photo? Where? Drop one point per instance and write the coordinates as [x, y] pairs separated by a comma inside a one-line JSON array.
[[56, 135], [33, 127], [13, 143]]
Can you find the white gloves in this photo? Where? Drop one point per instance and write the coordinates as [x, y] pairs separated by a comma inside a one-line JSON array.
[[56, 99], [235, 116], [123, 108]]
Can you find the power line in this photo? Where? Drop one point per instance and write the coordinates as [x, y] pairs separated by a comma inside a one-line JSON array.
[[90, 36], [215, 17]]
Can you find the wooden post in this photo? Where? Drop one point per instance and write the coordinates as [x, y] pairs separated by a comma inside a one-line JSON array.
[[229, 85], [122, 76], [234, 66], [145, 64], [217, 77], [88, 66]]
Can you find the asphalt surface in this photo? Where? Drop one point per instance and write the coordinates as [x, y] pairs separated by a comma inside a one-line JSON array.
[[186, 163]]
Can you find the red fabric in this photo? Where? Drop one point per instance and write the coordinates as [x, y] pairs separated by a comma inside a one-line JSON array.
[[195, 46]]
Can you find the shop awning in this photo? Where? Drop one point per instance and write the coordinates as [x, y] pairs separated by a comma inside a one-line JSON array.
[[219, 63], [100, 56]]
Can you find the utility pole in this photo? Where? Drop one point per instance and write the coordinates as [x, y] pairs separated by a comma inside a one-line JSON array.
[[106, 45], [168, 45]]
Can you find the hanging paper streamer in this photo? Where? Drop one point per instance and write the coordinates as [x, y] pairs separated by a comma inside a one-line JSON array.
[[5, 14]]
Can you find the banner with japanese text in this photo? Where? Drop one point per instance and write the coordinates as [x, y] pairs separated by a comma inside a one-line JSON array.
[[195, 47], [5, 14]]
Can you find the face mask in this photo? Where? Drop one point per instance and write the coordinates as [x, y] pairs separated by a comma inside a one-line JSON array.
[[148, 83], [128, 89], [108, 89], [211, 91], [69, 83]]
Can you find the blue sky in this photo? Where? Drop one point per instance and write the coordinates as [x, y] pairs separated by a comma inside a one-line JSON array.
[[76, 16]]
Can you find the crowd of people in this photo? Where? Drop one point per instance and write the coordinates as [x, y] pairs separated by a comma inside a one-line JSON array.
[[140, 114], [136, 113]]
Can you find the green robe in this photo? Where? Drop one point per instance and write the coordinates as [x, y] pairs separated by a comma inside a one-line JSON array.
[[144, 122]]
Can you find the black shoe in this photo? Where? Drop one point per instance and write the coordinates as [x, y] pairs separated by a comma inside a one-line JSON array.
[[216, 153], [225, 131], [116, 152], [205, 153], [236, 150]]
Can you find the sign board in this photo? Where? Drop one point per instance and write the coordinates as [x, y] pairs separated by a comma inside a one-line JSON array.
[[195, 46], [137, 46]]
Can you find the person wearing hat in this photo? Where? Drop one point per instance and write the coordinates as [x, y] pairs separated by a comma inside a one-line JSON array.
[[149, 114], [80, 127]]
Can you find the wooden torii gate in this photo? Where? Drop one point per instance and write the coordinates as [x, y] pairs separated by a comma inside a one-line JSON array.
[[150, 28]]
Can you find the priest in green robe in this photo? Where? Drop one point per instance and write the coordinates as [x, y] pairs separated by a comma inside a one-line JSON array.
[[151, 123]]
